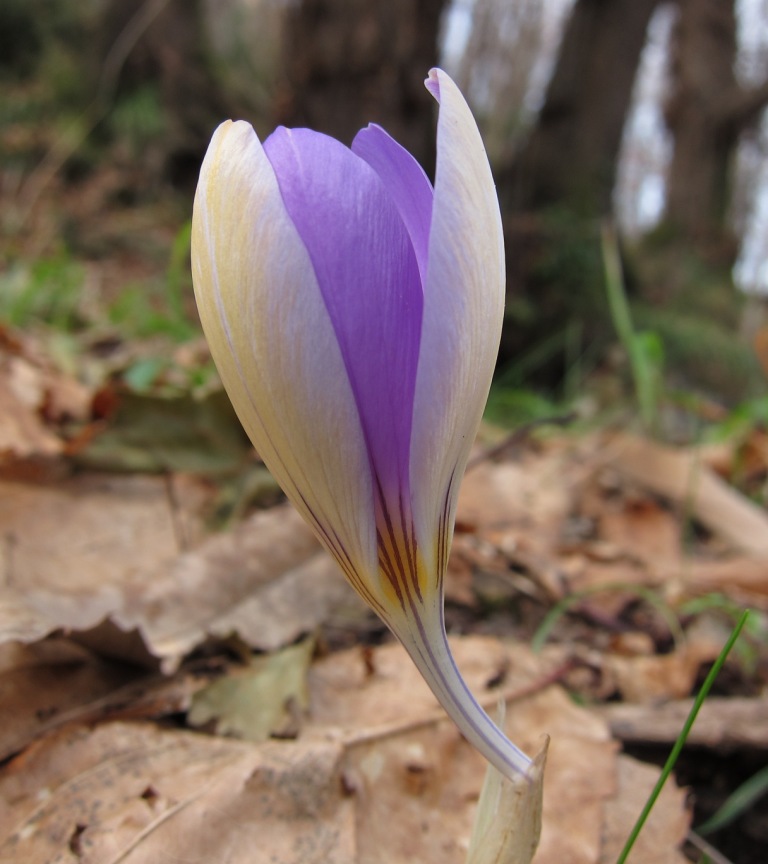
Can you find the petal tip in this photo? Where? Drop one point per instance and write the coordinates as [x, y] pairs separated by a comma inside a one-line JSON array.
[[432, 82]]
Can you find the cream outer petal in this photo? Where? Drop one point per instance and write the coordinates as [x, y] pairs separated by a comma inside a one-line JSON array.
[[463, 310], [274, 345]]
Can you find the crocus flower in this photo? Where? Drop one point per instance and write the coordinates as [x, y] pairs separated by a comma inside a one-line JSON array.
[[354, 314]]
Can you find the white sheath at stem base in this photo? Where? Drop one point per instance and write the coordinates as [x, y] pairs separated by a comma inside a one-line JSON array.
[[508, 819]]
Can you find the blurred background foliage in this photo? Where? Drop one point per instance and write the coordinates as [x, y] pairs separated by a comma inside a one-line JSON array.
[[638, 114]]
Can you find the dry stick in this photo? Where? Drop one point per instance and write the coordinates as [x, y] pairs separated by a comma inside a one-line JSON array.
[[66, 145], [708, 849]]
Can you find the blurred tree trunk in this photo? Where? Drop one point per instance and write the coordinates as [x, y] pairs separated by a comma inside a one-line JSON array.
[[571, 156], [706, 114], [505, 41], [352, 62], [162, 44], [561, 185]]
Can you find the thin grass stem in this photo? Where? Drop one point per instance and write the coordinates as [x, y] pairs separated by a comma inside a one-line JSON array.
[[682, 737]]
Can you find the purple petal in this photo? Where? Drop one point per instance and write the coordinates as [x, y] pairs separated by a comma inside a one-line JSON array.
[[405, 181], [368, 275], [432, 83]]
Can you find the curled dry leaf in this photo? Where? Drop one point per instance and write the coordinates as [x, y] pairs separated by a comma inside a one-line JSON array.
[[22, 433], [101, 546], [34, 398], [651, 679]]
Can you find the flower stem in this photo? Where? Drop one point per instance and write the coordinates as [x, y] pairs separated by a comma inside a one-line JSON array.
[[430, 651]]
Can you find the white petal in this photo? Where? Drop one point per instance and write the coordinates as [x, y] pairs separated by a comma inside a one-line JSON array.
[[275, 347], [463, 309]]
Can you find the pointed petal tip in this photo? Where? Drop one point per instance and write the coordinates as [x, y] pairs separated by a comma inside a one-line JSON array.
[[432, 82]]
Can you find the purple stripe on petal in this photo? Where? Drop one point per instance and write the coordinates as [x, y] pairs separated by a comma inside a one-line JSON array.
[[405, 181], [369, 278]]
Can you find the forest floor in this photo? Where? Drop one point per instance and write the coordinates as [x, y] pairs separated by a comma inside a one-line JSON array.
[[184, 674]]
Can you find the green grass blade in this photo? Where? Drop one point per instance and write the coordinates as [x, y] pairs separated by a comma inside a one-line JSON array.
[[682, 737], [644, 350], [741, 800]]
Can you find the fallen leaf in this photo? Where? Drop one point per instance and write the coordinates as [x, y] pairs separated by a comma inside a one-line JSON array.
[[667, 826], [654, 678], [267, 698], [77, 550], [35, 400], [151, 433], [642, 530], [98, 547], [22, 433], [134, 794], [418, 780], [379, 775], [744, 580], [41, 683], [518, 494], [264, 581]]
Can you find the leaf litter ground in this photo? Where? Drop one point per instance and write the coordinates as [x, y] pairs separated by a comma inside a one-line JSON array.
[[172, 687]]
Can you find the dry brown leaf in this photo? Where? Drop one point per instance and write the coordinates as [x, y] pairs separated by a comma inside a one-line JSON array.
[[100, 546], [744, 580], [76, 552], [381, 690], [134, 794], [131, 794], [609, 585], [406, 752], [667, 826], [512, 514], [43, 682], [418, 780], [22, 433], [642, 530], [580, 775], [518, 494], [49, 684], [34, 393], [660, 677], [264, 581]]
